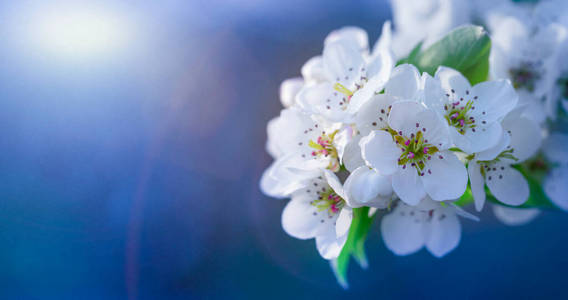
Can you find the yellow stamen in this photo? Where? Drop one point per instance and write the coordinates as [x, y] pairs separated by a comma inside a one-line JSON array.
[[342, 89], [315, 145]]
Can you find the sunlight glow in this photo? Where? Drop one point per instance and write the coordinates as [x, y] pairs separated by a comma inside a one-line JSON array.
[[79, 33]]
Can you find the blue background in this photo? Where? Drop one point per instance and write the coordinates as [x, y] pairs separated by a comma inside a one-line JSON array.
[[135, 175]]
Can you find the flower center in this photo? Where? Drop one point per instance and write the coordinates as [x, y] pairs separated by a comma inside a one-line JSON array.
[[324, 147], [328, 201], [525, 76], [347, 92], [415, 150], [457, 116]]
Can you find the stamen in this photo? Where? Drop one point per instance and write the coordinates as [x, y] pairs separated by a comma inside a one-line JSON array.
[[324, 148], [328, 200], [415, 150], [342, 89]]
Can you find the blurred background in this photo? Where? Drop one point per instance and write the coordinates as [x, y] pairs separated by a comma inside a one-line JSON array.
[[132, 142]]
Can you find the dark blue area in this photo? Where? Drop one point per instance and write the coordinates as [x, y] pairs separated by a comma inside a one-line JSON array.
[[137, 174]]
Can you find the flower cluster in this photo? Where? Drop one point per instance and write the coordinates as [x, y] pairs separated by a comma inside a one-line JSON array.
[[371, 128]]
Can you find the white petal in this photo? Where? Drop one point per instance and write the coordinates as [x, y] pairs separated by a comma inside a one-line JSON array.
[[556, 186], [343, 138], [515, 216], [444, 176], [532, 107], [352, 157], [334, 183], [298, 219], [384, 59], [343, 222], [292, 132], [403, 115], [329, 246], [385, 40], [343, 63], [279, 181], [373, 115], [444, 232], [507, 184], [434, 129], [479, 140], [494, 100], [407, 186], [434, 96], [525, 135], [380, 152], [404, 82], [493, 152], [350, 34], [379, 202], [289, 128], [556, 148], [463, 213], [510, 34], [402, 232], [314, 98], [477, 184], [313, 71], [452, 79], [272, 146], [269, 185], [379, 69], [364, 186], [498, 62], [362, 96], [289, 88]]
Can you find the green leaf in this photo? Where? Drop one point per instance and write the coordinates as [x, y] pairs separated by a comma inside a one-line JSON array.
[[465, 49], [465, 199], [354, 246], [412, 55]]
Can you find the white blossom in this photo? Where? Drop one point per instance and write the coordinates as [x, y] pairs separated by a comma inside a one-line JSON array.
[[350, 77], [528, 55], [303, 145], [403, 84], [356, 131], [429, 224], [414, 151], [367, 186], [318, 210], [556, 183], [473, 114], [289, 88], [521, 140]]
